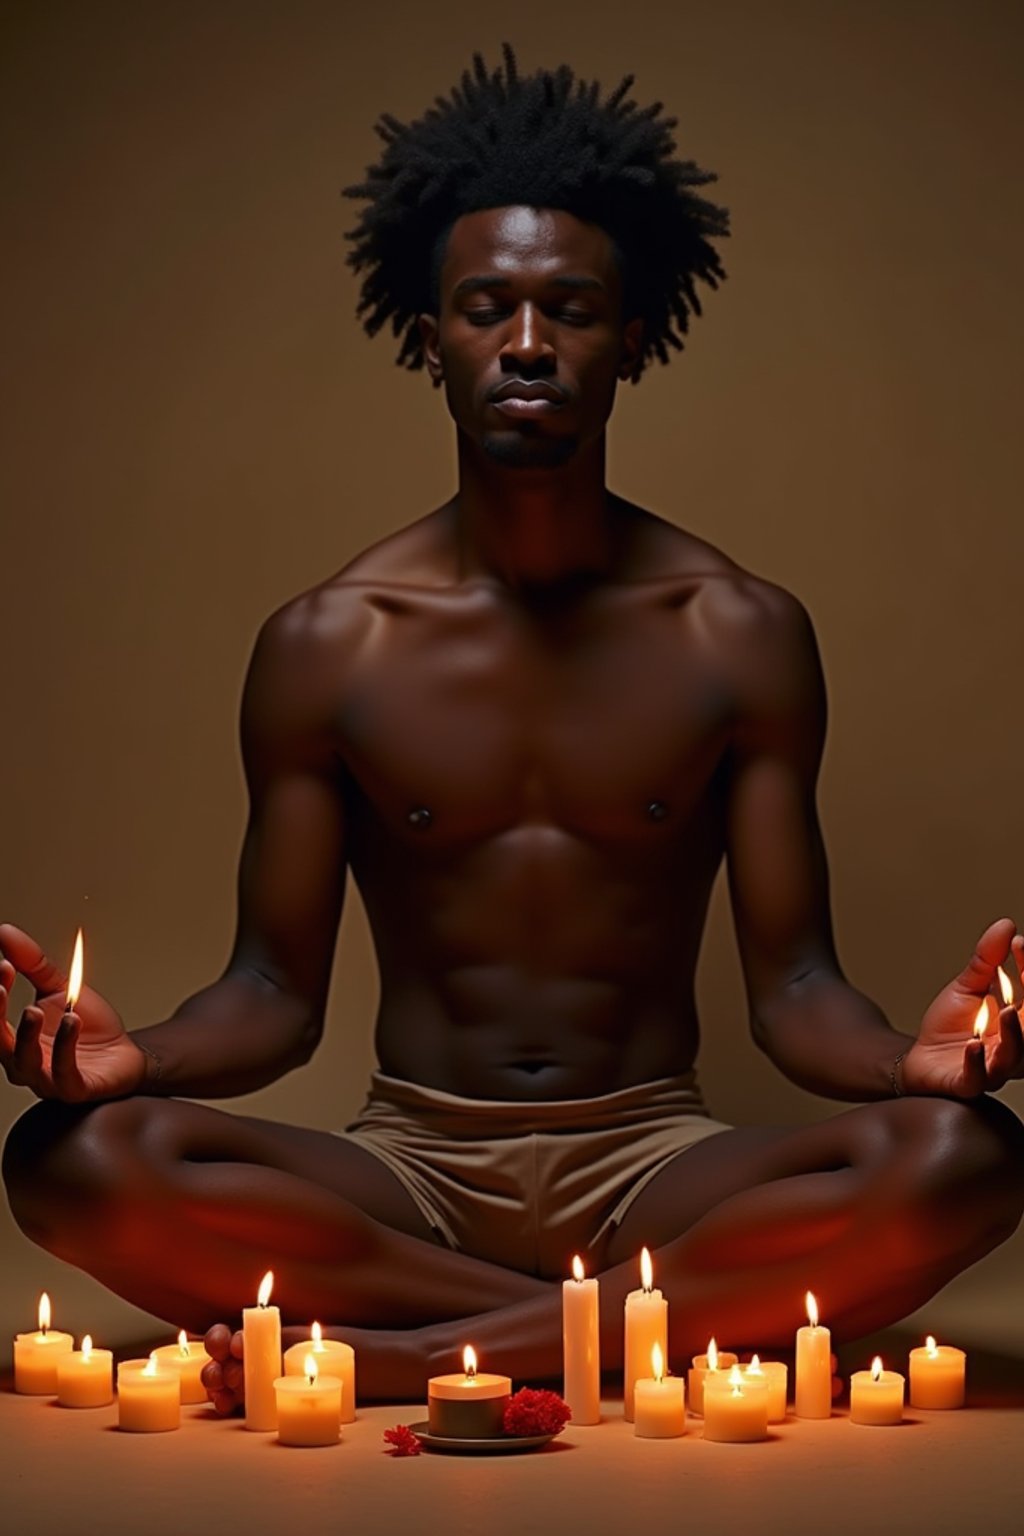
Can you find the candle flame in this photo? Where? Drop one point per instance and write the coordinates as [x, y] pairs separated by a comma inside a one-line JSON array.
[[311, 1368], [712, 1355], [44, 1312], [981, 1019], [646, 1269], [183, 1345], [1005, 987], [317, 1335], [469, 1360], [931, 1346], [151, 1366], [266, 1286], [876, 1368], [657, 1362], [736, 1381], [577, 1267], [754, 1368], [812, 1309], [75, 979], [87, 1346]]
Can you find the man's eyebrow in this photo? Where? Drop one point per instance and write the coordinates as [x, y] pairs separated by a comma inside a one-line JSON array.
[[495, 280]]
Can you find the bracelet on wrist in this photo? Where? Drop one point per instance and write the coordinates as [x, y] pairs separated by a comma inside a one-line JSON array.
[[152, 1072]]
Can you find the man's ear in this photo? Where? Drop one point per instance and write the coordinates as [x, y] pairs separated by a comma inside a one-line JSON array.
[[430, 336], [632, 347]]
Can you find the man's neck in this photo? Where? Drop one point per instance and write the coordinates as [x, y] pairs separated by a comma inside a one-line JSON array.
[[532, 528]]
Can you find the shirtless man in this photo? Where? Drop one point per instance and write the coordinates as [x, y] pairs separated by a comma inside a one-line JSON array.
[[533, 723]]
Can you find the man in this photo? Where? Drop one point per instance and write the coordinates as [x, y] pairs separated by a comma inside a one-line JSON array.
[[533, 722]]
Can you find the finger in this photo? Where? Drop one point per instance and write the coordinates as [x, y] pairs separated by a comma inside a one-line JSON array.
[[975, 1079], [8, 974], [991, 950], [218, 1341], [1017, 948], [212, 1376], [28, 1053], [67, 1079], [234, 1375], [1005, 1057], [6, 1030], [224, 1402], [26, 956], [238, 1344]]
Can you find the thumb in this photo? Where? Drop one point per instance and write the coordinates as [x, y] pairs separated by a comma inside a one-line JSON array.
[[25, 955], [979, 972]]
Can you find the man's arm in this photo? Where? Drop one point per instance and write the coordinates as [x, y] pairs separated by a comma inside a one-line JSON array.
[[820, 1031], [264, 1016]]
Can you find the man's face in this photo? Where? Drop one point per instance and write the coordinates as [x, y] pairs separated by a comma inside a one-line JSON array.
[[530, 342]]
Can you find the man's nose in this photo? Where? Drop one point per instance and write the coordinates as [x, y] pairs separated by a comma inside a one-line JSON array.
[[527, 344]]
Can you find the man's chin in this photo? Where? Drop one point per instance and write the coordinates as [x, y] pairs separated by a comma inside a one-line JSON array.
[[521, 450]]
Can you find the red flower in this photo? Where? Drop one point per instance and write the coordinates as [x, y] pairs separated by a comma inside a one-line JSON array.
[[532, 1412], [402, 1441]]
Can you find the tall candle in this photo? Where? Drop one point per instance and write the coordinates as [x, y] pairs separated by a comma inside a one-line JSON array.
[[85, 1377], [659, 1403], [308, 1407], [187, 1357], [148, 1396], [36, 1354], [736, 1410], [470, 1406], [813, 1399], [646, 1325], [333, 1356], [581, 1346], [716, 1360], [876, 1396], [261, 1331], [937, 1376]]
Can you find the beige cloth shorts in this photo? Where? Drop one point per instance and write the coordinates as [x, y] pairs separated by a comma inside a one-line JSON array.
[[527, 1185]]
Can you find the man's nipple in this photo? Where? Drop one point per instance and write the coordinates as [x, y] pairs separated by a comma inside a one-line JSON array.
[[420, 818], [657, 810]]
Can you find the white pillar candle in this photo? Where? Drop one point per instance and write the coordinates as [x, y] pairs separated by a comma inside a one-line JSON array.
[[775, 1375], [876, 1396], [85, 1377], [659, 1403], [333, 1356], [715, 1360], [813, 1397], [646, 1325], [148, 1396], [187, 1357], [470, 1406], [261, 1332], [735, 1410], [581, 1346], [937, 1376], [308, 1407], [36, 1354]]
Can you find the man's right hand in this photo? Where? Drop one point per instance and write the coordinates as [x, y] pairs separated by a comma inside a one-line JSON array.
[[90, 1057]]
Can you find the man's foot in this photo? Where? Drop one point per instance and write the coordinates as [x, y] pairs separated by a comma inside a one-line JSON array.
[[224, 1375]]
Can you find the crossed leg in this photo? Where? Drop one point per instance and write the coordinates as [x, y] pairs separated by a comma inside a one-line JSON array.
[[874, 1210]]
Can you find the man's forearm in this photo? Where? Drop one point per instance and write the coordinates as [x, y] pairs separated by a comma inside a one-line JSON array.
[[831, 1039], [235, 1036]]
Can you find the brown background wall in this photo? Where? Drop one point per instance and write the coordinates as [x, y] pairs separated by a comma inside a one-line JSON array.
[[195, 428]]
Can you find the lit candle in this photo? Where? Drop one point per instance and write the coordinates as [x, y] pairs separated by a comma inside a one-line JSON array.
[[308, 1407], [813, 1368], [187, 1357], [735, 1410], [261, 1331], [937, 1376], [36, 1354], [581, 1348], [148, 1396], [659, 1403], [646, 1325], [876, 1396], [470, 1406], [331, 1355], [85, 1377], [715, 1360], [775, 1375]]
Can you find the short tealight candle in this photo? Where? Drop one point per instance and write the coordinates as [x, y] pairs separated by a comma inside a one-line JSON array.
[[148, 1396], [187, 1357], [716, 1360], [937, 1376], [308, 1407], [876, 1396], [736, 1410], [333, 1356], [659, 1403], [85, 1377], [36, 1354], [775, 1375], [468, 1407]]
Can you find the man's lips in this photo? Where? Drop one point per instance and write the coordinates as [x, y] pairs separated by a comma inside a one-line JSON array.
[[520, 389]]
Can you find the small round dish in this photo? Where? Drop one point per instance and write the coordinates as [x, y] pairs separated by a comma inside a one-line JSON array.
[[490, 1447]]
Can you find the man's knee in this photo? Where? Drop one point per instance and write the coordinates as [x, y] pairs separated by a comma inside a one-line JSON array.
[[65, 1164]]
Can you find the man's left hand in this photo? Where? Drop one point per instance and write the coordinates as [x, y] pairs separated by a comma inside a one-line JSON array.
[[946, 1058]]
